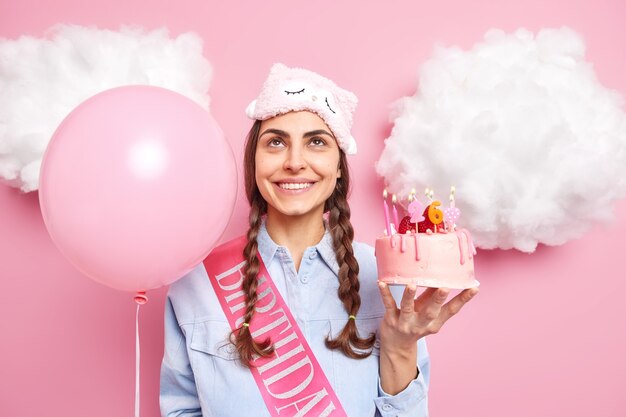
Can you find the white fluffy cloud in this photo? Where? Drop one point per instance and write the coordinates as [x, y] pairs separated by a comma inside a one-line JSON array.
[[43, 79], [534, 144]]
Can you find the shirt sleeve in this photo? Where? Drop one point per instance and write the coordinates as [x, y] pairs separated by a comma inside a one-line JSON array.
[[178, 395], [413, 400]]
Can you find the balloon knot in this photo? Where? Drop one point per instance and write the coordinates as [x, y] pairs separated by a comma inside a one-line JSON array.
[[140, 297]]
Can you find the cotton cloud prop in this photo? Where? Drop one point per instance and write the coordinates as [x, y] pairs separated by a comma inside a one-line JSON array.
[[534, 144], [43, 79]]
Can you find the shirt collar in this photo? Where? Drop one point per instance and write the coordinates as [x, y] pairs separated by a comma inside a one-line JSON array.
[[267, 247]]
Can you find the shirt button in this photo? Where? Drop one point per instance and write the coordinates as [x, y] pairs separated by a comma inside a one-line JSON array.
[[304, 279], [313, 255], [387, 407]]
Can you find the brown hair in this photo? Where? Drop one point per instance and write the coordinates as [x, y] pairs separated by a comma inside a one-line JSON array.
[[342, 233]]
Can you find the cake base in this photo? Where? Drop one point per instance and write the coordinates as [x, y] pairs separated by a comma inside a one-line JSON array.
[[430, 283]]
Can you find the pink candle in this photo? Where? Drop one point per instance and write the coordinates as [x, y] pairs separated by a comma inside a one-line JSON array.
[[386, 208], [395, 212]]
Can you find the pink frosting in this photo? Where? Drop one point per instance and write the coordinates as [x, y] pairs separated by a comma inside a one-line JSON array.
[[430, 260]]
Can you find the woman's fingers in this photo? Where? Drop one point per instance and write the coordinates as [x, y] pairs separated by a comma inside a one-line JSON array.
[[430, 303], [427, 293], [456, 304], [385, 293], [407, 309]]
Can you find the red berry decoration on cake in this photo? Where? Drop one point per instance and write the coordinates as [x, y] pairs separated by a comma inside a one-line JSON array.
[[425, 224], [406, 225]]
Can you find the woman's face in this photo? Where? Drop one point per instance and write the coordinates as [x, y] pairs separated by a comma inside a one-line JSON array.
[[297, 164]]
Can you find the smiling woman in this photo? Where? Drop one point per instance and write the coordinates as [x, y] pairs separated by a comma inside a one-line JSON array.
[[291, 314]]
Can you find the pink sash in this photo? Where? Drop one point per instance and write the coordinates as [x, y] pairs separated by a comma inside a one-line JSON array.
[[291, 382]]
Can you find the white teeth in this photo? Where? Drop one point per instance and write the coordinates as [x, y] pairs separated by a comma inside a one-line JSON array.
[[294, 186]]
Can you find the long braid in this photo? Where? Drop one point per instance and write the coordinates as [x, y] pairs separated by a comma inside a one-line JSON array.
[[342, 233], [243, 340]]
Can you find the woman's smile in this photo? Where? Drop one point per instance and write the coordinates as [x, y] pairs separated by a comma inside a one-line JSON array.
[[294, 185]]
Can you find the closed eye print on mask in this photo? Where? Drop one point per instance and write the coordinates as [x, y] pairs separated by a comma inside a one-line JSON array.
[[331, 109], [296, 89], [329, 100], [294, 92]]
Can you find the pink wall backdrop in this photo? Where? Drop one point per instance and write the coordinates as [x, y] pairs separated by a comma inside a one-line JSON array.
[[546, 336]]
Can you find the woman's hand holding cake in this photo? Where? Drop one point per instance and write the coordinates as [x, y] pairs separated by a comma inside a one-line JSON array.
[[402, 327]]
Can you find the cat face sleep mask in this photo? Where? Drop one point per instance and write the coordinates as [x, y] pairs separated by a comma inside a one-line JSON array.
[[296, 89]]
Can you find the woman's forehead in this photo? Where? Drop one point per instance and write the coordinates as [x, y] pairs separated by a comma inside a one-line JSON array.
[[296, 123]]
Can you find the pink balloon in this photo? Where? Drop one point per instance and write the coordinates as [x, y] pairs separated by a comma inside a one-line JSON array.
[[136, 186]]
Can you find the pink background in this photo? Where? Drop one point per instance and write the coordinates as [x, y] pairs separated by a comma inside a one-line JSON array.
[[546, 335]]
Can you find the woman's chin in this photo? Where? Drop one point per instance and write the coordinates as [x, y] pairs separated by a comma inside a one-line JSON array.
[[294, 210]]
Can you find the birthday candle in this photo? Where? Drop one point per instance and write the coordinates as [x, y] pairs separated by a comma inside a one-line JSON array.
[[428, 192], [451, 214], [386, 208], [452, 191], [395, 211]]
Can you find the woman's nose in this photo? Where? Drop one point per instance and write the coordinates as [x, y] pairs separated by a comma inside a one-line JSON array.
[[295, 160]]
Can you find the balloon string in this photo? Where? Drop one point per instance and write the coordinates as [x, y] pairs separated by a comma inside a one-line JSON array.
[[140, 299], [137, 350]]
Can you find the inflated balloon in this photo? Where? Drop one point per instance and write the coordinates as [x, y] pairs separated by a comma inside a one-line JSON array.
[[136, 186]]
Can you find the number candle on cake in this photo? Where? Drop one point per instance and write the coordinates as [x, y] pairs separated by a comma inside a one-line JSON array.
[[428, 249]]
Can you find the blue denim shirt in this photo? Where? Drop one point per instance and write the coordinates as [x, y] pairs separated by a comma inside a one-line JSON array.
[[200, 374]]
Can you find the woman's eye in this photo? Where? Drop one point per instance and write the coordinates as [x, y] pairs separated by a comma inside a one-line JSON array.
[[318, 142], [275, 143]]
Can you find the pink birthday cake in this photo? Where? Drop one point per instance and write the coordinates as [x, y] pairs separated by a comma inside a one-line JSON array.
[[426, 248]]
